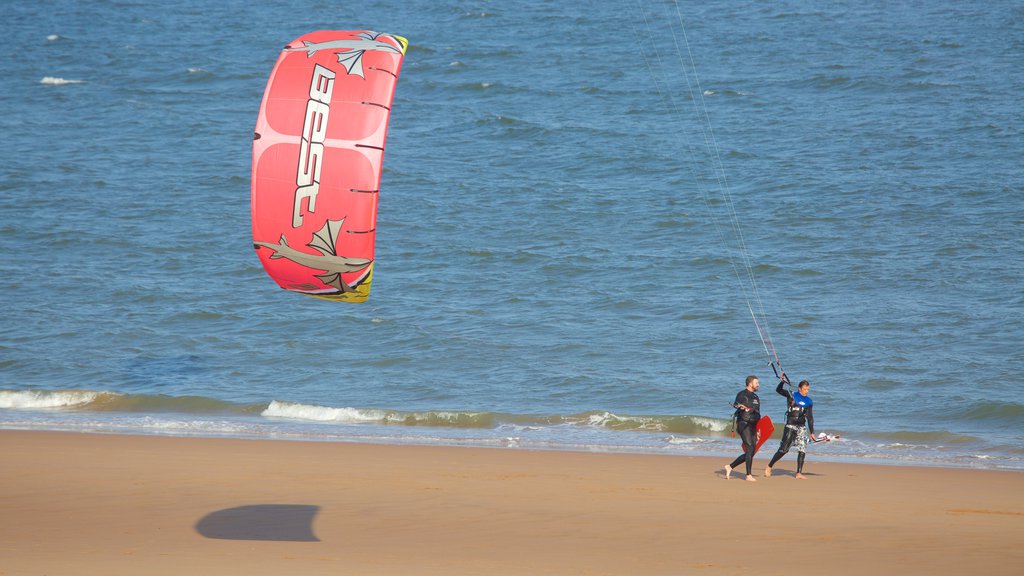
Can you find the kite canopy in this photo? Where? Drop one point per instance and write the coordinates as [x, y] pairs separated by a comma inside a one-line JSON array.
[[317, 156]]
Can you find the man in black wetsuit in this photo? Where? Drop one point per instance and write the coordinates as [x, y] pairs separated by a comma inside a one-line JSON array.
[[799, 418], [748, 412]]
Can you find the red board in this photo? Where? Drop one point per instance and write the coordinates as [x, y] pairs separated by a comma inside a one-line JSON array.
[[764, 431], [317, 157]]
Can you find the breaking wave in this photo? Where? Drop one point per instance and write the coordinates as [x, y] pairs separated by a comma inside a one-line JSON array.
[[37, 399], [103, 401], [278, 409]]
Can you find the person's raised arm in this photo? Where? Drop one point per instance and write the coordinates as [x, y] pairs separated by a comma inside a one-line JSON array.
[[781, 389]]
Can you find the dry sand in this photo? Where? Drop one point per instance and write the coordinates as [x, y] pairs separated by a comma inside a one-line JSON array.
[[86, 504]]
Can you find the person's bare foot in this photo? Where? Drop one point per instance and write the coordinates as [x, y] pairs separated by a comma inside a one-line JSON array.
[[768, 472], [728, 471], [800, 476], [750, 478]]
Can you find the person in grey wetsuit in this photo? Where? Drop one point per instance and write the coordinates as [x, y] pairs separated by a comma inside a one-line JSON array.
[[799, 418]]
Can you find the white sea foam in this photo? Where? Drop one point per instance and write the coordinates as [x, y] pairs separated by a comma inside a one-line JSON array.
[[278, 409], [610, 420], [37, 399], [602, 419], [190, 427], [712, 424], [655, 423], [55, 81], [685, 440]]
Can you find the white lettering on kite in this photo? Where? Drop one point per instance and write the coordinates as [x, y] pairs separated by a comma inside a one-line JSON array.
[[311, 150]]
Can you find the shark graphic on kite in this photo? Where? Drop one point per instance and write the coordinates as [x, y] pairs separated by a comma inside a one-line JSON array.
[[325, 242], [352, 52]]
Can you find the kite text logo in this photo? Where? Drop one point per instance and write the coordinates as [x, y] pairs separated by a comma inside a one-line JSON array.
[[311, 149]]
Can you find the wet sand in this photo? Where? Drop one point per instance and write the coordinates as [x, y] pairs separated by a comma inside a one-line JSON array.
[[108, 505]]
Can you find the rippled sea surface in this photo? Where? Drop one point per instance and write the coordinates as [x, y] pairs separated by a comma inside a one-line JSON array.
[[557, 262]]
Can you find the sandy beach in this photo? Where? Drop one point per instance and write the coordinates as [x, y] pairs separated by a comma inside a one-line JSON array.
[[101, 504]]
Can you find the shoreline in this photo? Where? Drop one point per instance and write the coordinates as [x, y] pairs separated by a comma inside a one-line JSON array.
[[91, 411], [712, 446], [95, 503]]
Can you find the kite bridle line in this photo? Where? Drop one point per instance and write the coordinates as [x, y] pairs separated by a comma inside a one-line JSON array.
[[748, 285], [769, 349]]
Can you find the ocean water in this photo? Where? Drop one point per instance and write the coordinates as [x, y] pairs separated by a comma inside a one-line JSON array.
[[559, 254]]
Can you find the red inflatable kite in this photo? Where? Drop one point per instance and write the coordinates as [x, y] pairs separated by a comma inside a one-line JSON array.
[[317, 155]]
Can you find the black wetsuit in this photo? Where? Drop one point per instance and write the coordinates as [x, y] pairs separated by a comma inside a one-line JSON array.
[[798, 414], [746, 426]]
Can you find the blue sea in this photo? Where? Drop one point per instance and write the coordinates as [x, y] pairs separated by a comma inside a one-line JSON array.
[[581, 207]]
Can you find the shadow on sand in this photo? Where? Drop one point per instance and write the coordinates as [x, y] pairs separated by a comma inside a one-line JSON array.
[[277, 522], [738, 474]]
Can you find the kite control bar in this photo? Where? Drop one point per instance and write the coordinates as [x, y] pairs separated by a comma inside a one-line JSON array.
[[783, 377]]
